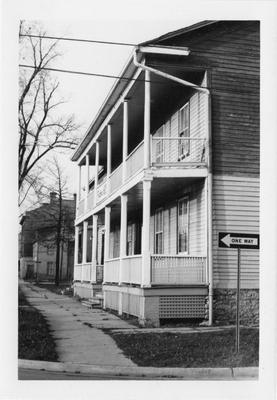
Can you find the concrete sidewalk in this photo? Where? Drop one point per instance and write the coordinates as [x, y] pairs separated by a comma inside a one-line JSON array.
[[84, 348], [77, 330]]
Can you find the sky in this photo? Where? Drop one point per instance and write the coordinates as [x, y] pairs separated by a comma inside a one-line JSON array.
[[84, 95]]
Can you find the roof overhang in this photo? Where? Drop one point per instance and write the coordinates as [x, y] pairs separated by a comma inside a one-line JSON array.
[[174, 50], [127, 73]]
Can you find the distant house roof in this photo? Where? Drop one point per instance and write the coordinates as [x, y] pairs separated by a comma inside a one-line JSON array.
[[121, 84]]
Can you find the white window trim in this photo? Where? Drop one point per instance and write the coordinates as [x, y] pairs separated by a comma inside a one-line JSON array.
[[186, 197], [159, 210], [131, 228], [161, 154], [182, 156]]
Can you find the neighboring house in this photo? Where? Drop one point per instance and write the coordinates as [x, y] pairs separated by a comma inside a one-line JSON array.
[[38, 241], [176, 144]]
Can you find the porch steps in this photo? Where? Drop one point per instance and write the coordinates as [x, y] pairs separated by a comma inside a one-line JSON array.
[[95, 301]]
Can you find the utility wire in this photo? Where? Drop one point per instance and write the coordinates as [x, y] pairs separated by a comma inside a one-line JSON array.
[[128, 79], [89, 74], [80, 40]]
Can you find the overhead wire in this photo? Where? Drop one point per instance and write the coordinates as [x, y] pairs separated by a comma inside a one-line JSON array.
[[128, 79], [79, 40]]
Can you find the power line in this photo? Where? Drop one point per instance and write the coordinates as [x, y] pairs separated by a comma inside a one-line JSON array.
[[80, 40], [130, 79], [88, 73]]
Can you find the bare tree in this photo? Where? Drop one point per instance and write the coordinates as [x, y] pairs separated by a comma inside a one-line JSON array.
[[58, 220], [41, 128]]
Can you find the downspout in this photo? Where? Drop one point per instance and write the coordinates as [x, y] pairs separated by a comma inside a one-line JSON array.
[[209, 178]]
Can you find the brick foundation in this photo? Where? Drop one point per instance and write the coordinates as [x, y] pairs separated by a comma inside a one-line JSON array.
[[224, 306]]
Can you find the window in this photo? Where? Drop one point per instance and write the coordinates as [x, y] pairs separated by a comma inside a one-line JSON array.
[[159, 146], [159, 232], [184, 132], [183, 225], [50, 268], [131, 239]]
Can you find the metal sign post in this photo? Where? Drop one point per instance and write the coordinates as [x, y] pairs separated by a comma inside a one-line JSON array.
[[238, 303], [238, 241]]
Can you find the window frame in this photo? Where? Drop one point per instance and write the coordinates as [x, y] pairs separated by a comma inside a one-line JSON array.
[[159, 133], [184, 198], [159, 212], [50, 267], [131, 239], [184, 132]]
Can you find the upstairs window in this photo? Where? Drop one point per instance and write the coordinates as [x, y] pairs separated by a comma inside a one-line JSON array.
[[159, 232], [183, 132], [183, 225], [159, 145]]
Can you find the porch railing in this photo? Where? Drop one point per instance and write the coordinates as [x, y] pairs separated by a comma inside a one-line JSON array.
[[134, 161], [91, 200], [178, 150], [81, 207], [78, 272], [178, 269], [111, 270], [86, 271], [131, 269], [101, 191], [116, 178]]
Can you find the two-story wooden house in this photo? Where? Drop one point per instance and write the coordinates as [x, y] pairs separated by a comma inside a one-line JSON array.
[[175, 147]]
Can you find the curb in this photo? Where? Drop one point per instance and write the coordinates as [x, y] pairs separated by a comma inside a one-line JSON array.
[[248, 373]]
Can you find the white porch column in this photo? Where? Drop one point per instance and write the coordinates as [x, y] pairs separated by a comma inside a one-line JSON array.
[[107, 233], [107, 239], [94, 248], [109, 157], [87, 183], [145, 241], [147, 106], [123, 244], [125, 139], [96, 171], [84, 250], [123, 232]]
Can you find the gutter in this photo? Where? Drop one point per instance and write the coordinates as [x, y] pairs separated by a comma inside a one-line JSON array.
[[185, 52]]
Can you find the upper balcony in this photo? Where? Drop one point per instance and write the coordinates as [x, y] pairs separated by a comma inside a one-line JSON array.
[[164, 131], [166, 152]]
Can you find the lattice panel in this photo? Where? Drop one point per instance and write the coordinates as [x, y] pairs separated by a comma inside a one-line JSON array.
[[182, 307]]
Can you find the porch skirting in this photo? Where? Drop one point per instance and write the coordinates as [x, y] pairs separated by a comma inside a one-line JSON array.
[[150, 305]]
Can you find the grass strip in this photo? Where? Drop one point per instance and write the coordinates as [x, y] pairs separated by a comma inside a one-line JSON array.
[[190, 350], [34, 339]]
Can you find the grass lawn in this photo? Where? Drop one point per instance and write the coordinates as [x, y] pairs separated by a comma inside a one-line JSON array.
[[34, 339], [209, 349]]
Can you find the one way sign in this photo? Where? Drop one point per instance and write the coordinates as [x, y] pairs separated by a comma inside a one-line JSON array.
[[238, 240]]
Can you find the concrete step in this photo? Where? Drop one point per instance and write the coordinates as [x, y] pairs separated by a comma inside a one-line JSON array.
[[93, 302]]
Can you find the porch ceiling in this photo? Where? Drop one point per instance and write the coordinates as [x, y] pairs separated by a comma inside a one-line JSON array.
[[166, 97], [163, 190]]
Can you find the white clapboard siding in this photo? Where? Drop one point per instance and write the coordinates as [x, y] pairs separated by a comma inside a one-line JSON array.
[[235, 209], [197, 223]]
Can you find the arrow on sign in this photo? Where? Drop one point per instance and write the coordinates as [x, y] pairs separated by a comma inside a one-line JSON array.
[[238, 240]]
